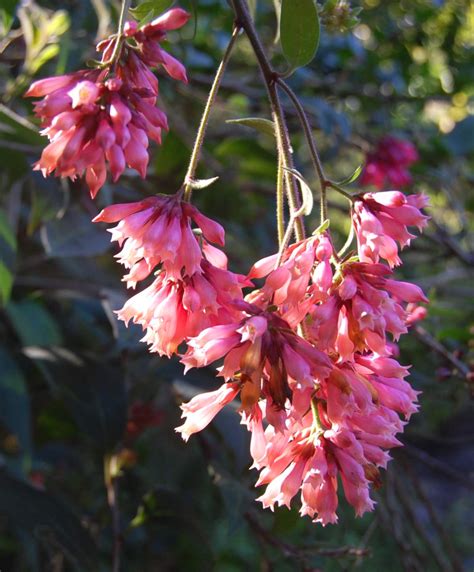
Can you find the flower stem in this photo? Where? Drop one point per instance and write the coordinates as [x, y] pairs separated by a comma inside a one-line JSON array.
[[193, 162], [122, 19], [340, 190], [280, 214], [323, 183], [348, 242], [318, 427], [242, 14]]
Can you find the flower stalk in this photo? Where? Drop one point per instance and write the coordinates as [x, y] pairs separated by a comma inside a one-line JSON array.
[[201, 133]]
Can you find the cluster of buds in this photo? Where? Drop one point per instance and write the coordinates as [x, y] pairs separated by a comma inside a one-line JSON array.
[[339, 16], [389, 163], [101, 119], [311, 353]]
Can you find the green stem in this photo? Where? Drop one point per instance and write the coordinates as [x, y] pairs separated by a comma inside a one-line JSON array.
[[317, 424], [311, 144], [348, 242], [242, 14], [280, 214], [118, 43], [193, 162], [340, 190]]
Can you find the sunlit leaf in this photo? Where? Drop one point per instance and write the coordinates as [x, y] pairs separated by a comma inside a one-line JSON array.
[[299, 31], [146, 11], [351, 178], [258, 123]]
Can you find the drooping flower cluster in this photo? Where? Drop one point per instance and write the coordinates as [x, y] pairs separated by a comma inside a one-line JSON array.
[[192, 288], [390, 162], [311, 354], [380, 221], [102, 119], [312, 359]]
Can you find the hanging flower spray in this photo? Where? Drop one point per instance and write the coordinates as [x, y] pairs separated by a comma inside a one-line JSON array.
[[311, 353]]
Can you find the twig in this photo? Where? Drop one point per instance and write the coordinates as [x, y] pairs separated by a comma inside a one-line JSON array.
[[433, 343], [301, 553], [438, 466], [435, 520], [418, 527]]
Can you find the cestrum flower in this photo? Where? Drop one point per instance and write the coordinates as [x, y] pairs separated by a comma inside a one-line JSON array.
[[192, 289], [380, 221], [363, 307], [101, 119], [157, 230]]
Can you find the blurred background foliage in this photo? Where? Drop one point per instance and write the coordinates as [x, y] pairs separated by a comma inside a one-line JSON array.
[[79, 392]]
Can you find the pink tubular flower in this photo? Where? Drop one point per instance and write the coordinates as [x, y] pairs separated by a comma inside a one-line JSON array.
[[157, 230], [171, 310], [288, 286], [102, 119], [363, 307], [390, 161], [261, 350], [346, 431], [380, 221], [193, 289], [202, 409]]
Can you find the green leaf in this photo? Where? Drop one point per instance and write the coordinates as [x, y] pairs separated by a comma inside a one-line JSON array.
[[7, 14], [258, 123], [15, 408], [150, 9], [94, 393], [73, 235], [53, 523], [7, 258], [33, 323], [299, 31], [322, 227], [14, 127], [48, 53], [351, 178]]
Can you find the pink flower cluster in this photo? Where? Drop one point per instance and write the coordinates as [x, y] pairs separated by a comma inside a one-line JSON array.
[[192, 288], [312, 352], [381, 220], [390, 162], [311, 355], [102, 119]]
